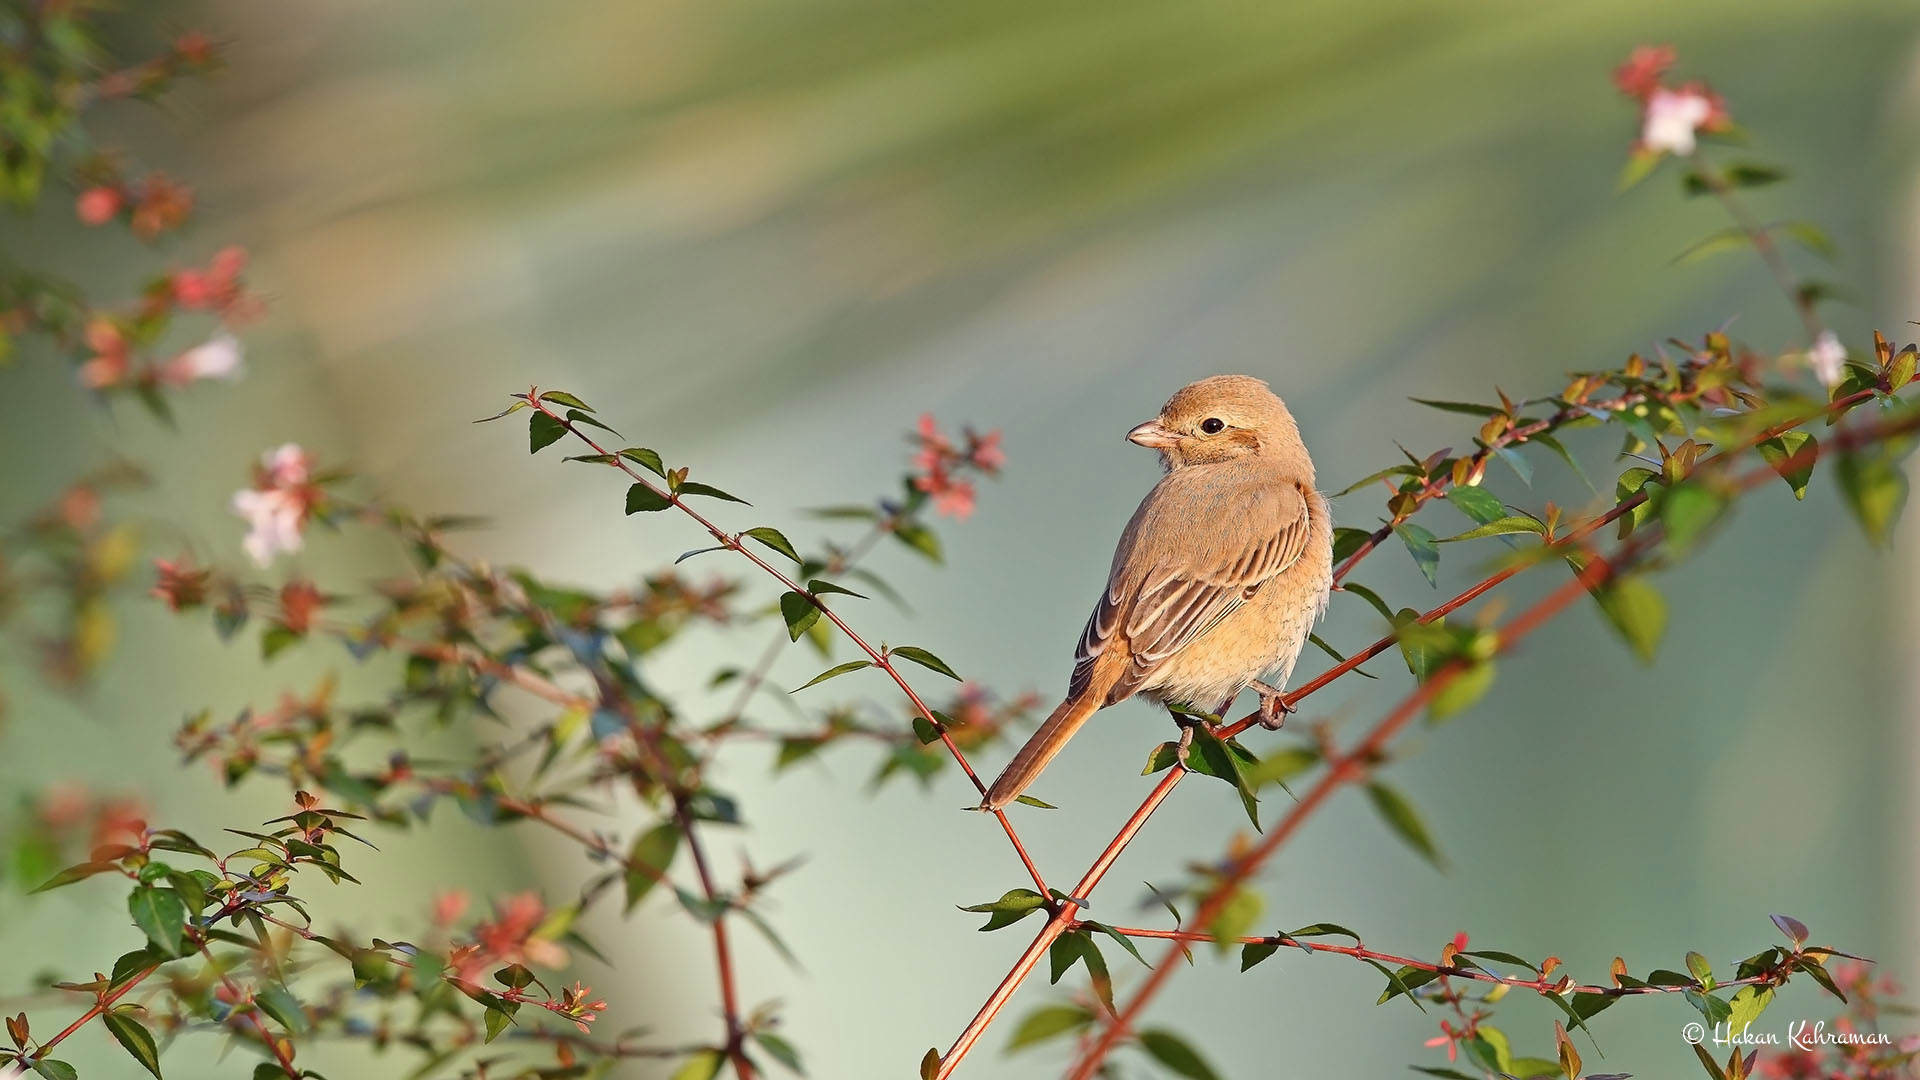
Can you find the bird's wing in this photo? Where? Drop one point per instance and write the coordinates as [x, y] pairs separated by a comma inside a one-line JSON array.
[[1188, 560]]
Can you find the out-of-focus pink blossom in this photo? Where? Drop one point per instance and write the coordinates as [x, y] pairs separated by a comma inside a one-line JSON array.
[[97, 205], [1827, 358], [220, 357], [181, 586], [276, 507], [986, 454], [1640, 75], [508, 939], [1671, 120], [449, 906], [937, 461]]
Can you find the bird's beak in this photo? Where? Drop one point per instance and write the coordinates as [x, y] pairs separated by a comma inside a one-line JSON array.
[[1152, 435]]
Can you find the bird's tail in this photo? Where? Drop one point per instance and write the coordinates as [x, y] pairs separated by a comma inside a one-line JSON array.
[[1039, 750]]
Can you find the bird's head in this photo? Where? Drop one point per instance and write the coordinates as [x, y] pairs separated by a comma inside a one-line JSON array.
[[1224, 418]]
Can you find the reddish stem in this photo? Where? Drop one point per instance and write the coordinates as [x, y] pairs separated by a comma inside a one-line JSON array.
[[879, 659], [1028, 959]]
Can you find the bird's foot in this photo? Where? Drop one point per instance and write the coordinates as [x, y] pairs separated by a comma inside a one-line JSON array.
[[1273, 705], [1186, 725]]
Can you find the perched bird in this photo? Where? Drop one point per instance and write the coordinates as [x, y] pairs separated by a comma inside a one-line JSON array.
[[1218, 578]]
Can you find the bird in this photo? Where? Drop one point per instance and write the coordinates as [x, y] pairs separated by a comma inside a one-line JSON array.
[[1218, 577]]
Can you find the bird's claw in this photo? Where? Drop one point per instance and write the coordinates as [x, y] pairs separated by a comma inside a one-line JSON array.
[[1273, 706]]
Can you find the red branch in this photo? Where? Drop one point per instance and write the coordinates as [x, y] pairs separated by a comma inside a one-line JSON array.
[[1064, 912], [1356, 763]]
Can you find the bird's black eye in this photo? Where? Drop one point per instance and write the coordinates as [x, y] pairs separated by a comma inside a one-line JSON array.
[[1212, 425]]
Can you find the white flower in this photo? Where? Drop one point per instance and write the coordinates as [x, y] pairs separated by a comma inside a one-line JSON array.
[[1827, 357], [273, 518], [1671, 118], [219, 358], [276, 508], [287, 466]]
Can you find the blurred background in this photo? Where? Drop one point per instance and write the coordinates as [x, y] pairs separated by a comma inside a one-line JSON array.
[[764, 237]]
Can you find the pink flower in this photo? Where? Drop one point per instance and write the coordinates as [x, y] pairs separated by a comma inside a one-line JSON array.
[[97, 205], [1827, 358], [951, 497], [287, 466], [1672, 117], [273, 519], [449, 906], [1640, 75], [180, 585], [219, 357], [985, 453], [276, 507]]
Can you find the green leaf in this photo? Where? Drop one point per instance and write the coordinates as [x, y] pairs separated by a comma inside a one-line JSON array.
[[1046, 1022], [1783, 449], [1461, 691], [1731, 238], [1161, 757], [1640, 165], [1370, 597], [161, 915], [1314, 640], [1742, 174], [276, 638], [653, 849], [694, 487], [1236, 916], [772, 538], [838, 669], [278, 1002], [924, 730], [72, 874], [1391, 470], [55, 1069], [646, 459], [799, 611], [1637, 610], [919, 538], [828, 588], [578, 416], [134, 1036], [1171, 1051], [1125, 941], [703, 1065], [1698, 967], [1747, 1005], [1477, 503], [1013, 905], [1347, 541], [1875, 491], [566, 399], [503, 413], [780, 1050], [543, 431], [1810, 236], [1557, 447], [1467, 407], [1031, 801], [1688, 509], [1422, 546], [1254, 952], [1516, 523], [924, 658], [1405, 822], [1516, 461], [645, 498]]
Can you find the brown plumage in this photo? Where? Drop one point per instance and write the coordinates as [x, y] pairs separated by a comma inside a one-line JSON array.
[[1218, 578]]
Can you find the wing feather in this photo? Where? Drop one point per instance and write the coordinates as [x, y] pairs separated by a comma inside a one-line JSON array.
[[1165, 591]]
